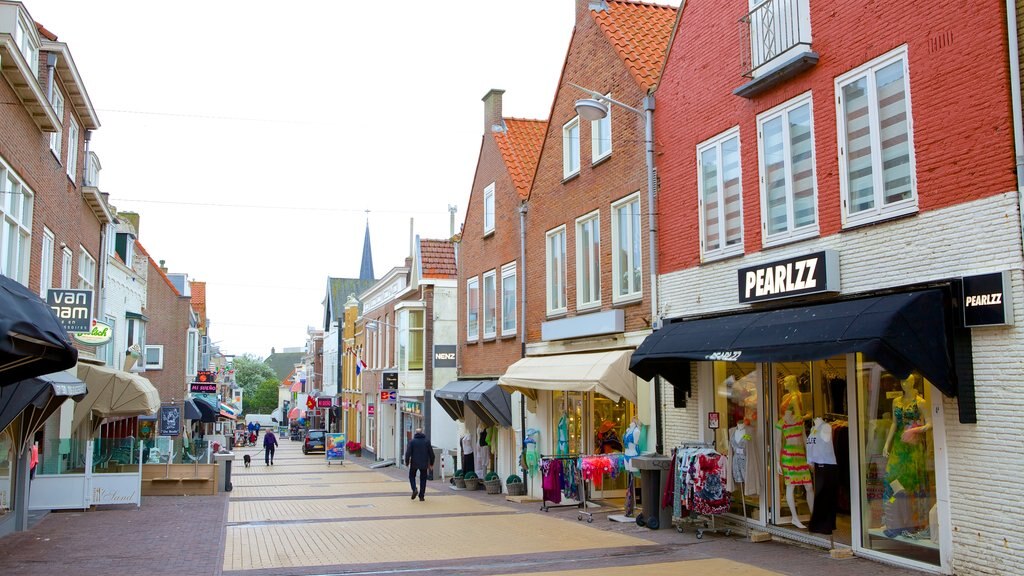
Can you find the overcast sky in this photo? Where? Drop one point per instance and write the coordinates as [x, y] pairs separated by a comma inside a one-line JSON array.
[[252, 136]]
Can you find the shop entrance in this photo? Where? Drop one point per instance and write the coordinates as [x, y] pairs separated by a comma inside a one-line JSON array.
[[589, 423]]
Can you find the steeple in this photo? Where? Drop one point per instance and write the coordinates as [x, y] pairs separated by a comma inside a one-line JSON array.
[[366, 267]]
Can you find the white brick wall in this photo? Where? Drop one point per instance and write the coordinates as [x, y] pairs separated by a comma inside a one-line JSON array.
[[124, 291], [986, 460]]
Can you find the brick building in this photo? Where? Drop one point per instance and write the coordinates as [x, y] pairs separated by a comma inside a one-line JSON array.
[[830, 207]]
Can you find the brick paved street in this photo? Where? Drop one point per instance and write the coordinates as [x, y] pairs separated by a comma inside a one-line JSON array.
[[302, 517]]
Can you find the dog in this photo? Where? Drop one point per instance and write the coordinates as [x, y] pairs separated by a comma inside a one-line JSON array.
[[247, 459]]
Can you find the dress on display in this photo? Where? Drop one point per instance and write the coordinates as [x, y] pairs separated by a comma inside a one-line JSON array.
[[467, 452], [793, 455], [482, 454], [821, 453], [906, 468], [739, 438]]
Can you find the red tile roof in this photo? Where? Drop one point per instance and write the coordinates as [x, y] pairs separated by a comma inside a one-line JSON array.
[[520, 148], [155, 266], [198, 290], [640, 34], [437, 259], [46, 33]]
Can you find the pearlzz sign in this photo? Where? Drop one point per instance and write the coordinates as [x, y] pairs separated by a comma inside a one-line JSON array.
[[812, 274]]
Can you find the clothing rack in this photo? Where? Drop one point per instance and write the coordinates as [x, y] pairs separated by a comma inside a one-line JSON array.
[[584, 485], [694, 518], [836, 416]]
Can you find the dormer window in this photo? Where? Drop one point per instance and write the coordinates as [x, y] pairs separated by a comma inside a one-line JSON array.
[[124, 247]]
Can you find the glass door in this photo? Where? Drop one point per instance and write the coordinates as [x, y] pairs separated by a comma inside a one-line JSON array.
[[737, 397], [609, 423]]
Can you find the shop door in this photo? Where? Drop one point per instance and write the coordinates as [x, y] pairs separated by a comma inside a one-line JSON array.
[[739, 400], [609, 421]]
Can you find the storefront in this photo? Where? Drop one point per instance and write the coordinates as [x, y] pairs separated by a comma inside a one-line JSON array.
[[485, 411], [410, 409], [832, 414]]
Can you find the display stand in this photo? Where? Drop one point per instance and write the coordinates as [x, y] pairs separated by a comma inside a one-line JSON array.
[[334, 448], [701, 522], [583, 487]]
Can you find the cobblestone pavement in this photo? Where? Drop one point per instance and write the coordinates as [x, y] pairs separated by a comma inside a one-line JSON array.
[[303, 517]]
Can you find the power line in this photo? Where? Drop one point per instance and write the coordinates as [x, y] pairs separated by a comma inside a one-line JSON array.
[[267, 207]]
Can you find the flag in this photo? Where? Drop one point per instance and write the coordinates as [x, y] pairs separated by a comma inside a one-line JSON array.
[[360, 366]]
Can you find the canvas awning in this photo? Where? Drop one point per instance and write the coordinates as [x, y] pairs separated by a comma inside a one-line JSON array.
[[32, 340], [192, 411], [485, 398], [606, 373], [36, 399], [296, 412], [113, 393], [902, 332], [227, 412]]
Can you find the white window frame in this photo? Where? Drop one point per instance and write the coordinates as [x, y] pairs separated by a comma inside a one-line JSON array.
[[57, 102], [571, 148], [601, 136], [66, 260], [558, 277], [592, 299], [782, 112], [72, 150], [192, 353], [635, 255], [86, 269], [724, 250], [27, 44], [159, 364], [508, 320], [880, 211], [472, 297], [16, 209], [490, 312], [46, 266], [489, 209]]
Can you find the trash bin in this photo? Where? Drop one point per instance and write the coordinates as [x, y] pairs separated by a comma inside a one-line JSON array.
[[437, 462], [224, 460], [654, 470]]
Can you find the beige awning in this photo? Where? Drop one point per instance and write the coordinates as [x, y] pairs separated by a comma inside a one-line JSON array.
[[114, 393], [606, 373]]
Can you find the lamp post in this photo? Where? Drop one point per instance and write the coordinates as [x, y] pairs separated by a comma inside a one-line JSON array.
[[596, 108]]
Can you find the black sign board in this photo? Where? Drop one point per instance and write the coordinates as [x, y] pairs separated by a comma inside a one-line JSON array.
[[170, 420], [444, 356], [809, 274], [987, 300], [202, 388], [72, 307], [389, 381], [206, 376]]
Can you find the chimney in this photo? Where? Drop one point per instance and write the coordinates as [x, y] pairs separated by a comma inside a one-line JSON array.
[[163, 266], [493, 120], [583, 7]]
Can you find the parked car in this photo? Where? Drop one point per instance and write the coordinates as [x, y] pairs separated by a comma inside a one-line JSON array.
[[314, 441]]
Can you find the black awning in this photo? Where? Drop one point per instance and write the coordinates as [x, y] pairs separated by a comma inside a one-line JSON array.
[[902, 332], [32, 340], [484, 398], [208, 412], [192, 411], [37, 398]]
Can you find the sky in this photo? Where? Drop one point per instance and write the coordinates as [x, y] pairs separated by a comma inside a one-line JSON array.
[[252, 137]]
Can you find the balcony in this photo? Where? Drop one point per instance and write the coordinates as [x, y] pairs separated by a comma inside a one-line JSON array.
[[775, 42]]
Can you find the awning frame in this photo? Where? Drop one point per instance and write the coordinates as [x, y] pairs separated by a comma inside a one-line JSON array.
[[603, 372], [491, 403]]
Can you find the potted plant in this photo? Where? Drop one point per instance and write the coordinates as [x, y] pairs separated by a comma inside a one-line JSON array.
[[492, 483], [515, 486], [472, 480], [460, 481]]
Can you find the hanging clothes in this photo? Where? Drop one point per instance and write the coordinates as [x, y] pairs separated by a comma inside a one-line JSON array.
[[551, 479], [563, 435], [632, 448]]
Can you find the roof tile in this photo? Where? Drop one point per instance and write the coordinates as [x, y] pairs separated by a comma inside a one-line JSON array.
[[437, 257], [520, 146], [640, 34]]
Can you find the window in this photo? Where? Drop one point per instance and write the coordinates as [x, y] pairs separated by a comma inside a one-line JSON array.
[[107, 351], [721, 211], [136, 340], [508, 299], [154, 357], [556, 270], [65, 268], [571, 148], [410, 340], [588, 260], [627, 261], [192, 355], [15, 225], [601, 137], [57, 101], [72, 150], [788, 206], [46, 272], [489, 209], [86, 270], [27, 45], [472, 309], [490, 305], [876, 159]]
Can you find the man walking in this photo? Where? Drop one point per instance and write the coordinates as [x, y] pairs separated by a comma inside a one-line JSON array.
[[419, 456], [269, 446]]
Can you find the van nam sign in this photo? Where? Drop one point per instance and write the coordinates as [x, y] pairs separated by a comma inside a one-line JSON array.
[[811, 274], [72, 307], [444, 356], [987, 300]]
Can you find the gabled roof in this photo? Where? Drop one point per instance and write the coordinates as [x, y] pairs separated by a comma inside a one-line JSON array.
[[283, 363], [437, 259], [640, 34], [520, 146], [153, 265], [338, 290]]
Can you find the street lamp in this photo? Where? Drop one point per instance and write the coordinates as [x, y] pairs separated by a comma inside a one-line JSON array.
[[596, 108]]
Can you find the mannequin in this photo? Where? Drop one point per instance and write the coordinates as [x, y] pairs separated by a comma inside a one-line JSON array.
[[822, 455], [793, 398], [632, 444], [739, 437], [563, 434], [482, 452], [466, 440], [906, 474], [793, 461]]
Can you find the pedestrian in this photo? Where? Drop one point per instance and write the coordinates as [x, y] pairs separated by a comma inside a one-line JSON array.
[[269, 446], [419, 456], [256, 425]]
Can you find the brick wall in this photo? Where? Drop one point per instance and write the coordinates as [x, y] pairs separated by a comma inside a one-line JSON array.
[[168, 314]]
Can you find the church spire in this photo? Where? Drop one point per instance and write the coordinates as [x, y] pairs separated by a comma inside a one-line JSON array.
[[366, 267]]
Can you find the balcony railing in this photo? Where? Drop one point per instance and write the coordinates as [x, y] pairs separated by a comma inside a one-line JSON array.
[[773, 29]]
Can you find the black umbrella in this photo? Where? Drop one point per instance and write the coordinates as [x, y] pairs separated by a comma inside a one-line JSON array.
[[32, 340]]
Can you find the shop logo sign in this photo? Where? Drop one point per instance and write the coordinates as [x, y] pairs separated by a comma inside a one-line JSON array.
[[444, 356], [987, 300], [72, 307], [99, 335], [811, 274]]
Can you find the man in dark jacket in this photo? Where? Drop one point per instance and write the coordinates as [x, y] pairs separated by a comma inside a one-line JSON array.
[[419, 456], [269, 447]]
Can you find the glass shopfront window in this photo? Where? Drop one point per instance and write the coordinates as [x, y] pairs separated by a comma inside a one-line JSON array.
[[737, 400], [587, 423], [567, 422], [899, 505]]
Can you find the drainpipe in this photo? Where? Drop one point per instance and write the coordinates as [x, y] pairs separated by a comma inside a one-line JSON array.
[[1015, 100], [521, 270], [652, 243]]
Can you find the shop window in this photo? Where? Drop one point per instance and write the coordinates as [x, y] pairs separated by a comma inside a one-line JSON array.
[[737, 402]]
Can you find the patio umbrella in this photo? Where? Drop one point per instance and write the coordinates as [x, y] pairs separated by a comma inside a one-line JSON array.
[[32, 340]]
